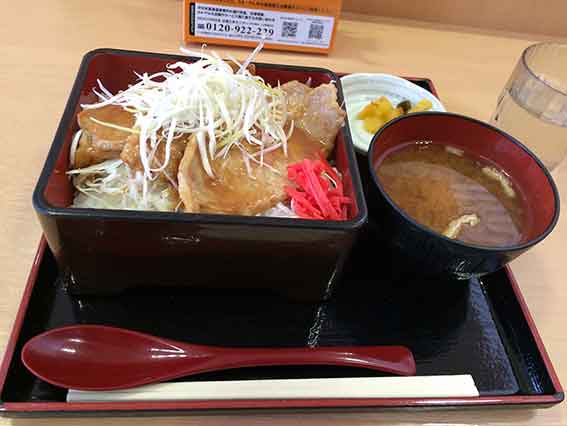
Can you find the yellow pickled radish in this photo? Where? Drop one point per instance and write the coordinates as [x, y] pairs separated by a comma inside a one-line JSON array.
[[380, 111], [372, 124], [368, 111], [423, 105]]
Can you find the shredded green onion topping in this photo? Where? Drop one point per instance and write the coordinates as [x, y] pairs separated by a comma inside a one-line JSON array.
[[224, 109]]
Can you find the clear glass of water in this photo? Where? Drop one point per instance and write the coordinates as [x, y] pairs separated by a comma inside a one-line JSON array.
[[533, 105]]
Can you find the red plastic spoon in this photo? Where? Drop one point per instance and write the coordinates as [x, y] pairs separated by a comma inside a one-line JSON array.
[[93, 357]]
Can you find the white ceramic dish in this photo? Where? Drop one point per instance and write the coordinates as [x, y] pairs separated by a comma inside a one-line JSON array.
[[360, 89]]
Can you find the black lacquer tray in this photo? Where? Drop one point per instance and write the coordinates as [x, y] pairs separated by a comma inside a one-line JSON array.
[[481, 327]]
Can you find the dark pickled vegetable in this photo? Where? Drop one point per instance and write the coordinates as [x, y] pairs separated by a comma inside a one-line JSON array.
[[405, 106]]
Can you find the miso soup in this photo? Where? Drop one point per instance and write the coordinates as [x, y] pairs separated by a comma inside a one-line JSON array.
[[454, 193]]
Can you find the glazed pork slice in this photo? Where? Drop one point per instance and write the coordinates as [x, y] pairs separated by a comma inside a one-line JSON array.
[[296, 98], [322, 117], [233, 190], [131, 156], [99, 142]]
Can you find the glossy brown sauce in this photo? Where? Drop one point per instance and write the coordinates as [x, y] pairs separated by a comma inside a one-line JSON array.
[[436, 186]]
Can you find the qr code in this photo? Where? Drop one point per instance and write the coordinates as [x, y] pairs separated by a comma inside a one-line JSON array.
[[316, 31], [289, 29]]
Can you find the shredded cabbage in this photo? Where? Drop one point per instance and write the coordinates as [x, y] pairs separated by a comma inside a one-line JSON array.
[[111, 185]]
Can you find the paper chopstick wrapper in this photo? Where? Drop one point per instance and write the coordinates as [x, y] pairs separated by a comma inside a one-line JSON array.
[[352, 387]]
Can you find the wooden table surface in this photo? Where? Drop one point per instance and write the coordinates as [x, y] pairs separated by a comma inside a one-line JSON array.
[[41, 45]]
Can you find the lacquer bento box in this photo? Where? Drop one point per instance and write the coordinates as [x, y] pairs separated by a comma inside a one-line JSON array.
[[108, 250]]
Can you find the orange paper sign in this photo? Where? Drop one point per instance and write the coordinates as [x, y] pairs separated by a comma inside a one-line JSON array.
[[299, 25]]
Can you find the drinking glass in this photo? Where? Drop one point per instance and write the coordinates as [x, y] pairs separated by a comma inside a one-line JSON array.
[[533, 105]]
